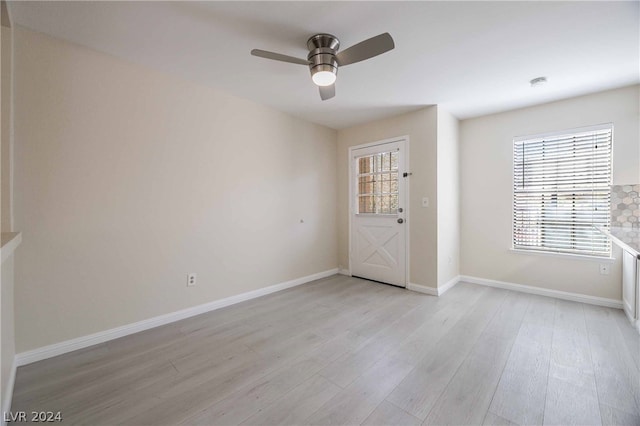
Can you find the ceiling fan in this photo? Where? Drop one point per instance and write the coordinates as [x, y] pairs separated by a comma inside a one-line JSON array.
[[324, 59]]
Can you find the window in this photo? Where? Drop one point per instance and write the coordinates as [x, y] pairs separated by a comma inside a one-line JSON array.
[[377, 176], [561, 190]]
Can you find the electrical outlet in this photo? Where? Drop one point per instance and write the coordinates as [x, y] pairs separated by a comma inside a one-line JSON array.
[[605, 269], [191, 279]]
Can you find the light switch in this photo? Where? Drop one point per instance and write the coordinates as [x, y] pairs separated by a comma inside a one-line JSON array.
[[425, 201]]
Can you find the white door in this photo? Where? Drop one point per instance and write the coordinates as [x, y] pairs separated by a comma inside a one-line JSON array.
[[378, 212]]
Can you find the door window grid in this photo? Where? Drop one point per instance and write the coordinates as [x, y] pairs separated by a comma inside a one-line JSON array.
[[377, 179]]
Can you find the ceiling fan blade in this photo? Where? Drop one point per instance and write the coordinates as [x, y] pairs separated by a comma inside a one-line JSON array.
[[366, 49], [327, 92], [278, 57]]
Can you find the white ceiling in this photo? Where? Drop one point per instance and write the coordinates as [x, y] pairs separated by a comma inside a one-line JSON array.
[[473, 58]]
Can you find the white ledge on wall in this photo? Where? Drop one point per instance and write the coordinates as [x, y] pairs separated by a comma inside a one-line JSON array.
[[10, 241], [568, 256]]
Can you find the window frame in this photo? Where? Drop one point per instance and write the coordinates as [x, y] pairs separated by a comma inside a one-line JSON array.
[[605, 258]]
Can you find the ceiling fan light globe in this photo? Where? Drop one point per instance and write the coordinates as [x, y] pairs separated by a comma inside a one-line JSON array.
[[324, 78]]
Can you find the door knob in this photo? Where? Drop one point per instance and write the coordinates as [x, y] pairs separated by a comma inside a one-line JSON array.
[[400, 220]]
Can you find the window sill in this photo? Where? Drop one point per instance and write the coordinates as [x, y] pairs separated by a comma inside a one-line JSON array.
[[565, 256]]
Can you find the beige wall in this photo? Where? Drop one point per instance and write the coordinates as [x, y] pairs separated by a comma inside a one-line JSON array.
[[127, 179], [486, 189], [5, 173], [448, 197], [420, 126]]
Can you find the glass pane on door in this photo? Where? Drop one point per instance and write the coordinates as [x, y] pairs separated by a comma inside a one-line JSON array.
[[377, 183]]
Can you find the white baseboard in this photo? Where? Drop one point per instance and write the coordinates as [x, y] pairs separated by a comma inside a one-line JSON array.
[[448, 285], [422, 289], [574, 297], [343, 271], [439, 291], [56, 349], [8, 397], [635, 323]]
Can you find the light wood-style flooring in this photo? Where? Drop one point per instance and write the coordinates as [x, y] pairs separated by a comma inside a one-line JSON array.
[[347, 351]]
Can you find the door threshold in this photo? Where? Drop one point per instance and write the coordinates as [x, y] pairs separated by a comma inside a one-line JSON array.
[[379, 282]]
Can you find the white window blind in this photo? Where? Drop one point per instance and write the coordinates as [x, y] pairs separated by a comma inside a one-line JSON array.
[[561, 189]]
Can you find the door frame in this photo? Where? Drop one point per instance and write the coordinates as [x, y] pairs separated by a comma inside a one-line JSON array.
[[404, 141]]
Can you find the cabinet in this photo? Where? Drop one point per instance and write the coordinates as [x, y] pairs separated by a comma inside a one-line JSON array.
[[628, 239], [630, 282]]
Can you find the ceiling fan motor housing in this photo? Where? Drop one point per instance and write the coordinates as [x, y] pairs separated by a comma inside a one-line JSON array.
[[322, 53], [323, 59]]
